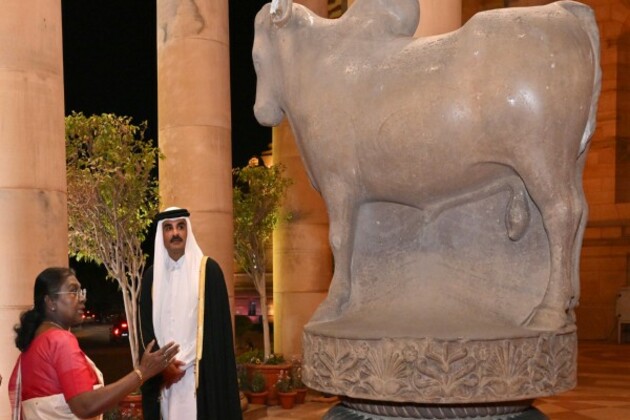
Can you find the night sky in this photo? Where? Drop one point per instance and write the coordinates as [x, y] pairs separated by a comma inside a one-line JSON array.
[[110, 65]]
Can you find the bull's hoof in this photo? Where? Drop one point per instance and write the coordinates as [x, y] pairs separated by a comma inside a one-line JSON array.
[[546, 319]]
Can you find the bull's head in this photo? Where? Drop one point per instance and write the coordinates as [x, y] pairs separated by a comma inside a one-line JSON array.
[[268, 108]]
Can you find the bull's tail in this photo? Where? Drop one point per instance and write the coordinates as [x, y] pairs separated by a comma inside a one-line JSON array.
[[587, 21]]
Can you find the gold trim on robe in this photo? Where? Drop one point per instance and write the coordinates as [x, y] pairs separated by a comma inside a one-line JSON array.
[[200, 317]]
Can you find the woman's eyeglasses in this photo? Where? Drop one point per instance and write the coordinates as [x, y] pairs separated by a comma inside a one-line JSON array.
[[78, 294]]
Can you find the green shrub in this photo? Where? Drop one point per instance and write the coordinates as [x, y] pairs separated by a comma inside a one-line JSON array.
[[241, 376], [252, 356], [257, 384], [274, 359], [284, 383]]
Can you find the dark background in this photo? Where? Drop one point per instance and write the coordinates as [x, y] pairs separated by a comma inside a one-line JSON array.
[[110, 66]]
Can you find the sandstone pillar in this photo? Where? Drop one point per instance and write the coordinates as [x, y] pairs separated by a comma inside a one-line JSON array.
[[32, 162], [439, 16], [302, 261], [194, 120]]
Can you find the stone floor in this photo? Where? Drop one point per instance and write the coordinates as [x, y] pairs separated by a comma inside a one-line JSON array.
[[603, 391]]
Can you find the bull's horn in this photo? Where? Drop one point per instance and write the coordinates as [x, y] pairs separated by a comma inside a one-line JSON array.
[[281, 11]]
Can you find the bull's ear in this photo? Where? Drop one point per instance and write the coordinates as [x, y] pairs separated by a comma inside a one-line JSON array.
[[281, 11]]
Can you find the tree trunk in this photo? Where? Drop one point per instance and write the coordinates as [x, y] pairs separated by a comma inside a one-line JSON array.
[[131, 306], [265, 320], [262, 292]]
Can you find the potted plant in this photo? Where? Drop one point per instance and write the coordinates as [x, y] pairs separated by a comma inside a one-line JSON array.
[[269, 368], [241, 377], [257, 195], [112, 198], [257, 393], [286, 393], [131, 406], [296, 379]]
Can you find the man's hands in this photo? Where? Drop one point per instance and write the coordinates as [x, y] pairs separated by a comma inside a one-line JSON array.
[[173, 373]]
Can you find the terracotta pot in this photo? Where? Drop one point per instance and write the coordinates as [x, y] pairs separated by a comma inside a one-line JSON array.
[[270, 372], [131, 407], [257, 397], [287, 399], [301, 395]]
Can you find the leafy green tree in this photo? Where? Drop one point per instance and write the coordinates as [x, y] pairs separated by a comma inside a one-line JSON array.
[[112, 199], [258, 193]]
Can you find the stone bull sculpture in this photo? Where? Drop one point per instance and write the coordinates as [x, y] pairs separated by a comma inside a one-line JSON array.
[[507, 102]]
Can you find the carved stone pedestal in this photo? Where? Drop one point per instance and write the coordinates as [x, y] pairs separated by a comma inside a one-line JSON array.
[[436, 378]]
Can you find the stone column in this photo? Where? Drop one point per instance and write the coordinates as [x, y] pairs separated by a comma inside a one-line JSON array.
[[439, 16], [194, 127], [302, 261], [32, 162]]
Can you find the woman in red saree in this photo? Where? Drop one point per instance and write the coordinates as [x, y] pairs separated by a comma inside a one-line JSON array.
[[53, 378]]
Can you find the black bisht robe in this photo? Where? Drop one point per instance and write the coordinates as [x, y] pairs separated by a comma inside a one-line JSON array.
[[217, 395]]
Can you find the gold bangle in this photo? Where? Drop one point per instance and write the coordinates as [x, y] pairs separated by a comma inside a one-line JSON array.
[[139, 375]]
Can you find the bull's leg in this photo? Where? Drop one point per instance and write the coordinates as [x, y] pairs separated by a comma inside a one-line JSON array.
[[577, 246], [342, 211], [560, 205]]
